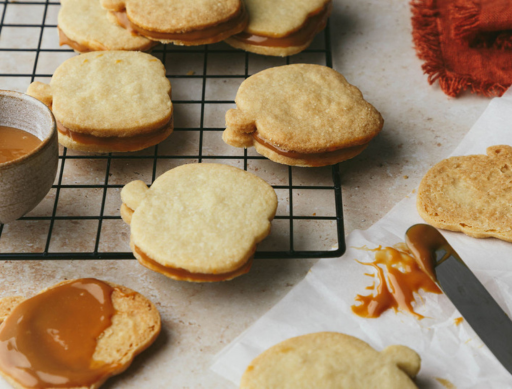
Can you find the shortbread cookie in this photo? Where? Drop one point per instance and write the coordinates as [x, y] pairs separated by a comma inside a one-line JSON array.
[[182, 22], [471, 194], [331, 360], [199, 222], [83, 25], [111, 101], [302, 115], [75, 334], [282, 27]]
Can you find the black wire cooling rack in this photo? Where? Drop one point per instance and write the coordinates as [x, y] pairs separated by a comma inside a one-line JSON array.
[[35, 235]]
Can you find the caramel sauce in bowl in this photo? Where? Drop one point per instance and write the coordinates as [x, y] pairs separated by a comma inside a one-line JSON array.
[[26, 179]]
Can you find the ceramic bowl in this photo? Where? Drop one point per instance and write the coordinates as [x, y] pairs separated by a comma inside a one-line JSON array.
[[25, 181]]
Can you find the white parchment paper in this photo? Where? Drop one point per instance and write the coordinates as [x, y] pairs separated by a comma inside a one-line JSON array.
[[322, 301]]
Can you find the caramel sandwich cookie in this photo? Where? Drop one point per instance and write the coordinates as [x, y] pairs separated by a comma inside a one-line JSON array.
[[74, 335], [301, 115], [471, 194], [331, 360], [84, 26], [112, 101], [281, 27], [182, 22], [199, 222]]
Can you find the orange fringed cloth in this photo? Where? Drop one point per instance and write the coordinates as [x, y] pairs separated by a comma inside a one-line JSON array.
[[466, 44]]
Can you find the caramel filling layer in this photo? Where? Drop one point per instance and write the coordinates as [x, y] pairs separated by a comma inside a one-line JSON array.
[[49, 340], [208, 34], [183, 274], [312, 26], [65, 40], [115, 143], [296, 155]]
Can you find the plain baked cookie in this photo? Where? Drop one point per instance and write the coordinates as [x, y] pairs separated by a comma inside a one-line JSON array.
[[199, 222], [134, 327], [182, 22], [83, 25], [281, 27], [471, 194], [301, 115], [330, 360], [112, 101]]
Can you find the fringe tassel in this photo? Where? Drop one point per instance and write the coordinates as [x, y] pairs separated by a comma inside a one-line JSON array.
[[465, 16], [503, 41], [427, 43]]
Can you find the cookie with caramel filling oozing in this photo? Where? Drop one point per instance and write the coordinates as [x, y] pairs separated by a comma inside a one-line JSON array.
[[182, 22], [113, 101], [302, 115], [84, 26], [282, 27], [199, 222]]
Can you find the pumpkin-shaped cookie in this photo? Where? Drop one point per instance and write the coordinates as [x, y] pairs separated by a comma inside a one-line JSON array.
[[199, 222]]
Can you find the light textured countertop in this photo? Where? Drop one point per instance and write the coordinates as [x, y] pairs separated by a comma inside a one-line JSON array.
[[372, 47]]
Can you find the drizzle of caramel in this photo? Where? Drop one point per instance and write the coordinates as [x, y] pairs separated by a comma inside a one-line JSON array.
[[315, 23], [313, 159], [49, 340], [447, 384], [458, 320], [206, 35], [183, 274], [398, 277], [115, 143], [15, 143]]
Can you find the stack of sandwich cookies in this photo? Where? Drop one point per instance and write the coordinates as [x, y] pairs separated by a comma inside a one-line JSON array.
[[302, 115], [114, 101], [471, 194], [84, 26], [181, 22], [331, 360], [199, 222], [75, 334], [282, 27]]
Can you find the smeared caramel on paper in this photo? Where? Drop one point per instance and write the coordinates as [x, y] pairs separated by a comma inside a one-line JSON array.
[[49, 340], [447, 384], [397, 278]]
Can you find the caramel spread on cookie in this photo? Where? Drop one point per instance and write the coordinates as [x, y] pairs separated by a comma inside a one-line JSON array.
[[207, 35], [65, 40], [397, 278], [119, 144], [49, 340], [15, 143], [313, 25], [182, 274]]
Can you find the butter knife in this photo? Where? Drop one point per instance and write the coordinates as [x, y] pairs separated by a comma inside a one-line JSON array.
[[439, 260]]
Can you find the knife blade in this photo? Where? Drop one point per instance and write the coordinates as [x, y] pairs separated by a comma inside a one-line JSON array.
[[440, 261]]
